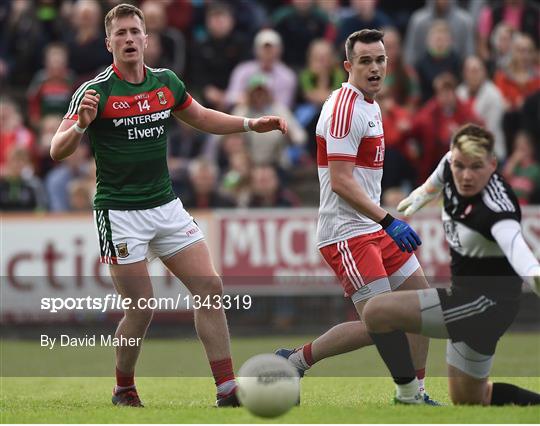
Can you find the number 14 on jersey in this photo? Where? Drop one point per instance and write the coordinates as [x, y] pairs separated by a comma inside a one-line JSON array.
[[143, 105]]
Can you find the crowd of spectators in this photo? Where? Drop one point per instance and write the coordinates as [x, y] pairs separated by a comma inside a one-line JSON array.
[[449, 62]]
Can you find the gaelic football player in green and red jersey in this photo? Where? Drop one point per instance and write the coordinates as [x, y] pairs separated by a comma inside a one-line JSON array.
[[126, 111]]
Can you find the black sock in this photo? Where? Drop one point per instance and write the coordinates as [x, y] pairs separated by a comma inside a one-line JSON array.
[[394, 350], [505, 393]]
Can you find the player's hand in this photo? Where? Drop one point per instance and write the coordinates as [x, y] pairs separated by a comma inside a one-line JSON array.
[[403, 235], [416, 200], [268, 123], [88, 108]]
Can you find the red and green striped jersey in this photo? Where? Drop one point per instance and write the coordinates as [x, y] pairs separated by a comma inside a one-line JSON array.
[[129, 137]]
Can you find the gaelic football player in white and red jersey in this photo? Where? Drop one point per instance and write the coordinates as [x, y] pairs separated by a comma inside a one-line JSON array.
[[126, 111], [368, 249]]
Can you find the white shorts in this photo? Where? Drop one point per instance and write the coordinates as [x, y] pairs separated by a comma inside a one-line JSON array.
[[128, 236]]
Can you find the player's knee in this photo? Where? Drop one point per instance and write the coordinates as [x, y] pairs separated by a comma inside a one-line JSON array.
[[464, 393], [378, 315], [208, 286], [140, 315], [373, 315], [464, 397]]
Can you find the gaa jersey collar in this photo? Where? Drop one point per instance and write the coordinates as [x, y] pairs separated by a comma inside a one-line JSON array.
[[355, 89], [121, 77]]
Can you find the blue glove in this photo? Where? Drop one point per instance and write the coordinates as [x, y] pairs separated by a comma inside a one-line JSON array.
[[403, 235]]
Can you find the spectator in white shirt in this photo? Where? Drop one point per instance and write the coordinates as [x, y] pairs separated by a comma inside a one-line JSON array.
[[281, 79]]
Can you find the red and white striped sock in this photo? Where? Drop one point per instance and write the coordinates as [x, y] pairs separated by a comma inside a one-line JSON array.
[[302, 358], [124, 381], [223, 376]]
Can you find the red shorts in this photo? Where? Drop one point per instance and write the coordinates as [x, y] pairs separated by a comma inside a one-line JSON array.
[[365, 259]]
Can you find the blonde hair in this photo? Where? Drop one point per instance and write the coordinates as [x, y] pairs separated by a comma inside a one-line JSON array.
[[121, 11], [473, 141]]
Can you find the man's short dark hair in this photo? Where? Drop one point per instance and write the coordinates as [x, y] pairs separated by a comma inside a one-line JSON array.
[[363, 36], [121, 11]]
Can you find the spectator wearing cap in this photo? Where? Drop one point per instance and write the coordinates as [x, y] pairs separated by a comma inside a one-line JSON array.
[[269, 148], [281, 79], [215, 57]]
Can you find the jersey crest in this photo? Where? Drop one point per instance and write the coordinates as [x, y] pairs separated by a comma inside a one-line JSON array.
[[452, 236], [161, 97]]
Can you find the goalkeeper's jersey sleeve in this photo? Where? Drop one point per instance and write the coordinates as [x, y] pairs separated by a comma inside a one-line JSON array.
[[129, 137]]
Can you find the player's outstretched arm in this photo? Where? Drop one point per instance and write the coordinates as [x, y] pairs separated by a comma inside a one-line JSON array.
[[426, 192], [69, 133], [344, 185], [219, 123], [418, 198], [508, 235]]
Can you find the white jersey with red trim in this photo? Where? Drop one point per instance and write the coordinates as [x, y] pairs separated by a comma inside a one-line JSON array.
[[349, 129]]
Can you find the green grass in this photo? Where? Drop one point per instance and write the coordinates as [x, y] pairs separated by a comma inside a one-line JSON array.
[[190, 399]]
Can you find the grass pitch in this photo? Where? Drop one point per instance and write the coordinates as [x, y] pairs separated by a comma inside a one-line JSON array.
[[327, 399]]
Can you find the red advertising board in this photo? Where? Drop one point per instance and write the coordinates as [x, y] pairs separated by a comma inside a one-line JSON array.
[[264, 245]]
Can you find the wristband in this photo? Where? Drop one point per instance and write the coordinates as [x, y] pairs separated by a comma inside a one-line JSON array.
[[78, 129], [386, 221], [246, 125]]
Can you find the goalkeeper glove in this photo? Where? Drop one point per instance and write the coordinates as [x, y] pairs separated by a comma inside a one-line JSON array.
[[416, 200], [402, 234]]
